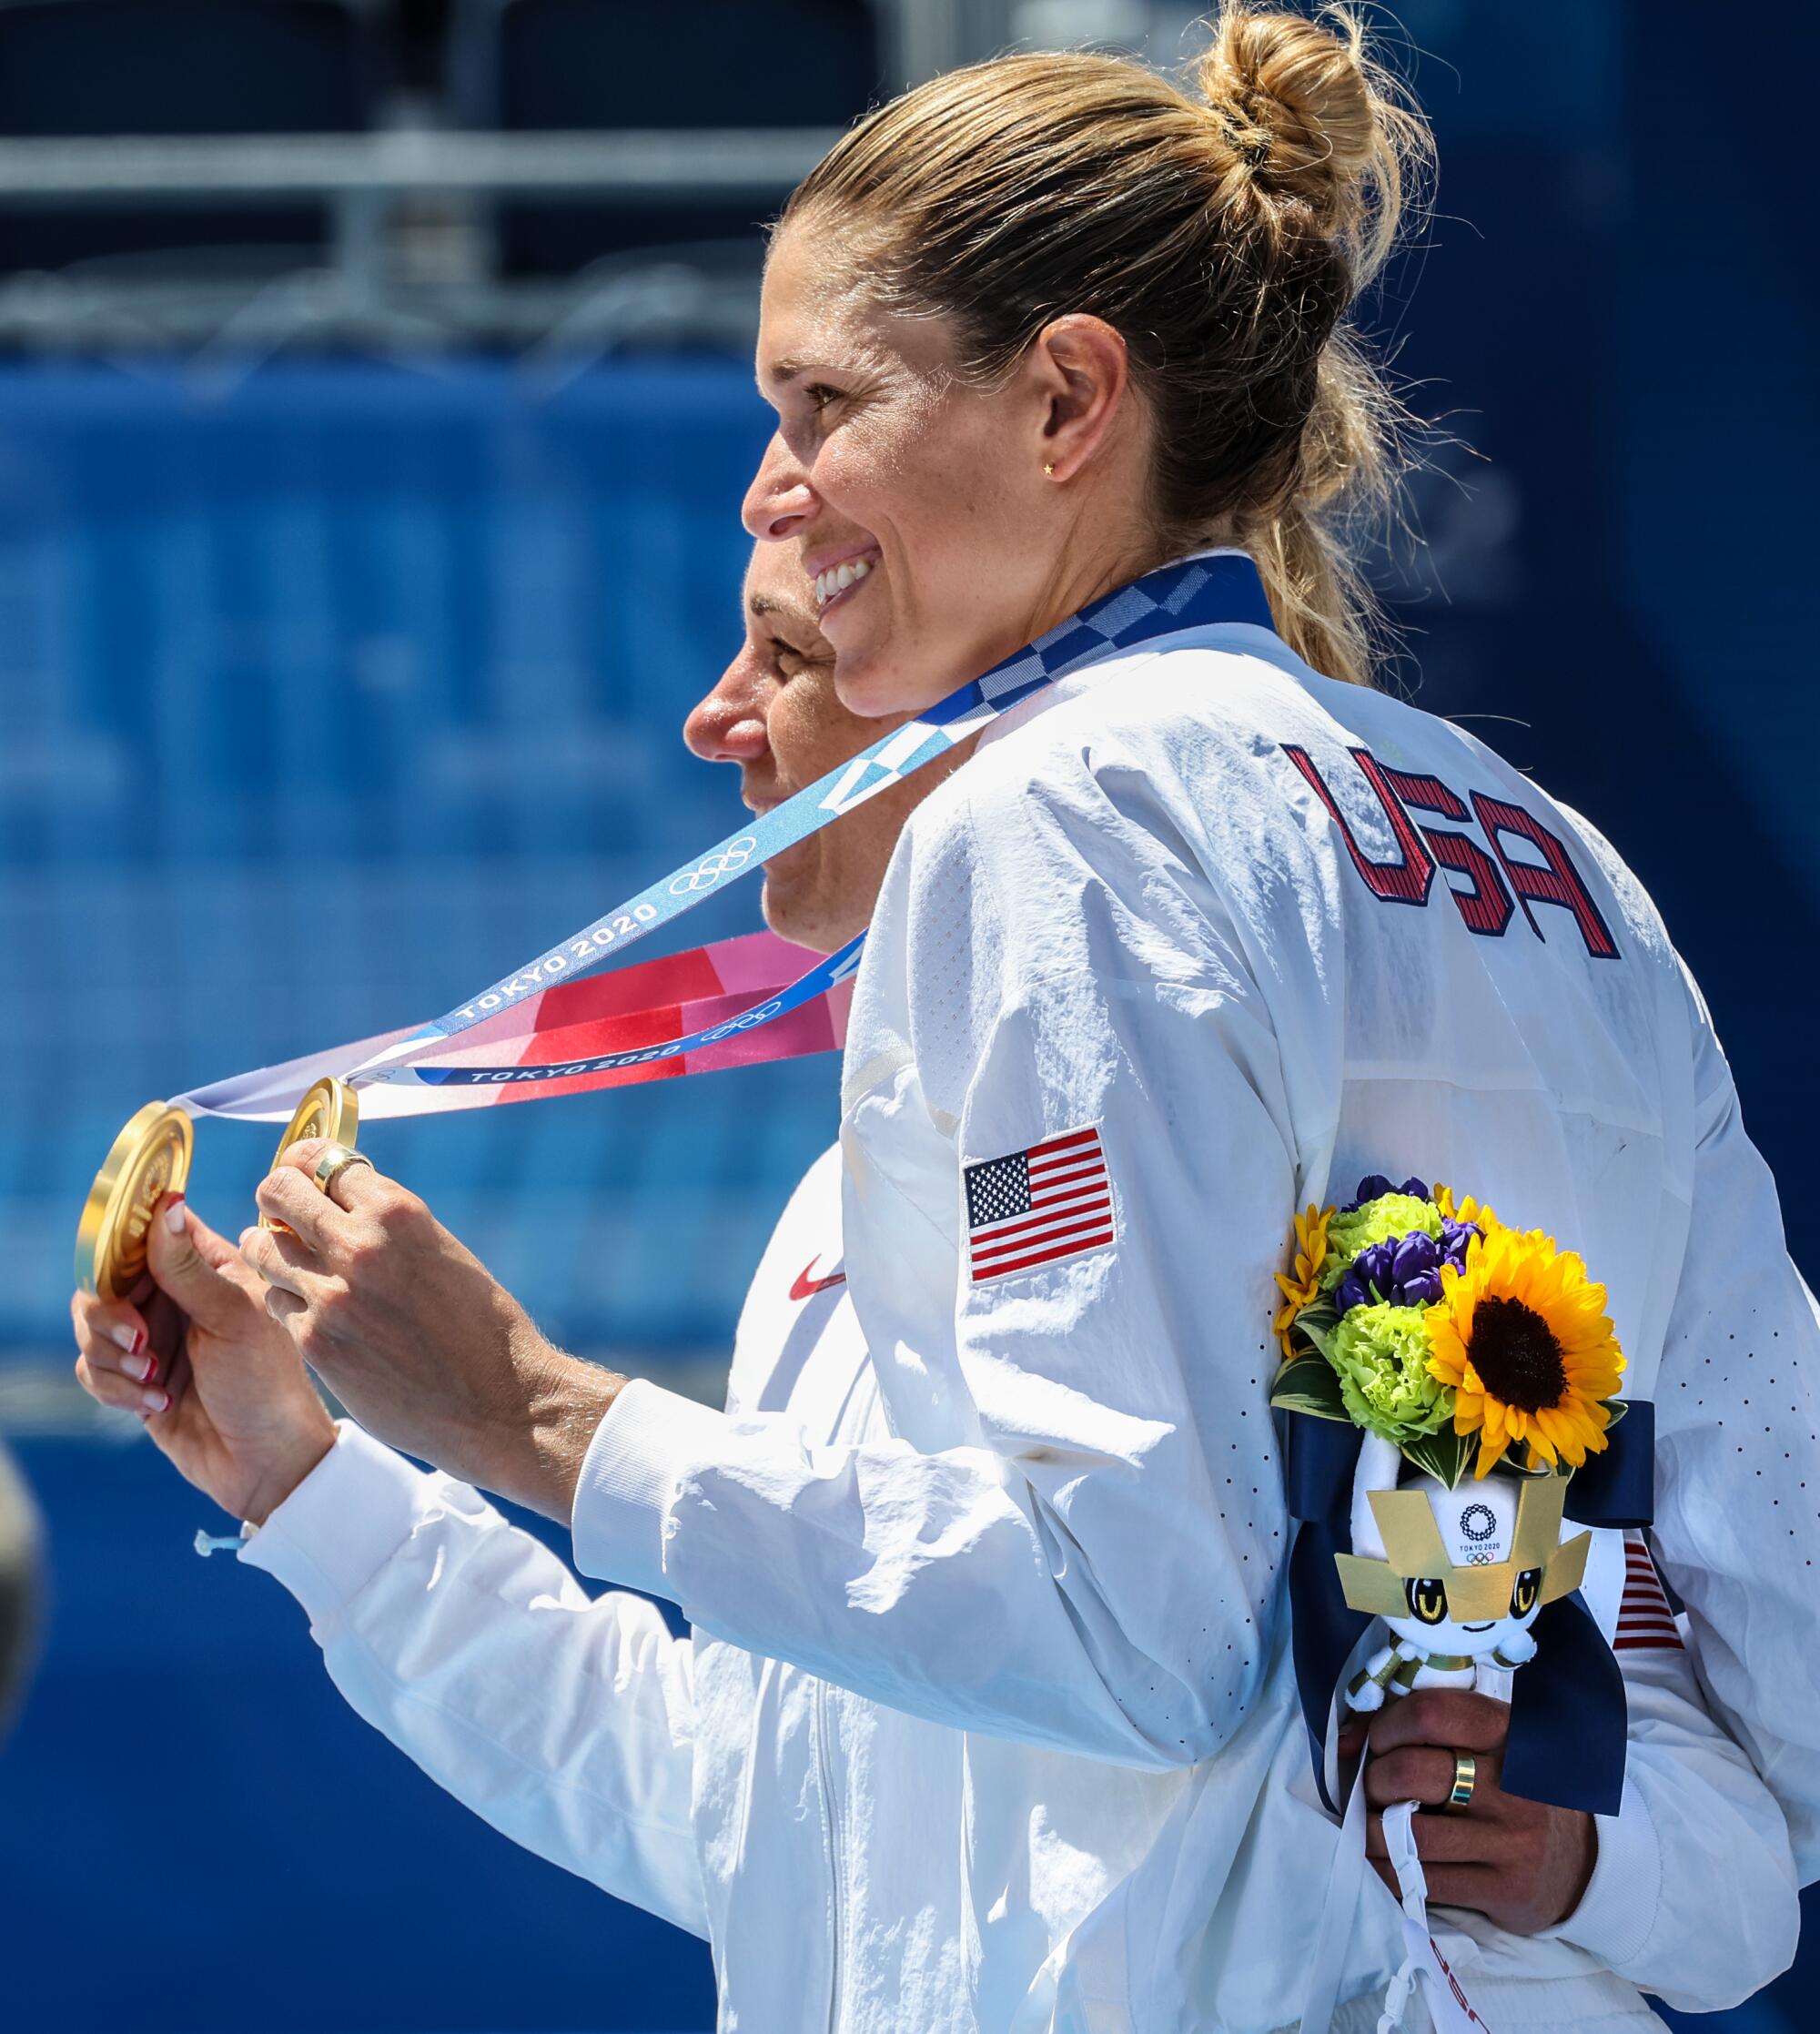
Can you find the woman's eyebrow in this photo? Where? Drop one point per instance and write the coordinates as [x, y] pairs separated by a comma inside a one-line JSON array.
[[759, 605], [849, 352]]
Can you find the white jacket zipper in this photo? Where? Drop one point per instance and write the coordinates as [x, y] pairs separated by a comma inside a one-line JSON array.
[[854, 1416], [831, 1823]]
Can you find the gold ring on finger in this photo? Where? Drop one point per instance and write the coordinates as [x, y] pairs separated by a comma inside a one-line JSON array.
[[1465, 1778], [335, 1161], [329, 1108]]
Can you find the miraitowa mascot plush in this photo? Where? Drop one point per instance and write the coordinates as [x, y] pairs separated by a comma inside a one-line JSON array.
[[1479, 1367], [1457, 1575]]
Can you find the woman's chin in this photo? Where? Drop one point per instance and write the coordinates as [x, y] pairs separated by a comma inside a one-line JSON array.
[[774, 904], [790, 911], [902, 671], [873, 682], [866, 671]]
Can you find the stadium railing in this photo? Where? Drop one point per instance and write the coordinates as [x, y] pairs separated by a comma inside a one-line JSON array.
[[390, 277]]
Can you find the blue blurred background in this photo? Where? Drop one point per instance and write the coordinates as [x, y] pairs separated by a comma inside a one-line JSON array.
[[363, 541]]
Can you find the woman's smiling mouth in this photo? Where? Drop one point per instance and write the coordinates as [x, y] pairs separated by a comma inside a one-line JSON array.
[[838, 582]]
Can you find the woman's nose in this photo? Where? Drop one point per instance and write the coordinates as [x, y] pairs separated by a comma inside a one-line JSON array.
[[728, 725], [780, 498]]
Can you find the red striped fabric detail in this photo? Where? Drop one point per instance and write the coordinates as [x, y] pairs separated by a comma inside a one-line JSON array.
[[1645, 1621], [1039, 1206]]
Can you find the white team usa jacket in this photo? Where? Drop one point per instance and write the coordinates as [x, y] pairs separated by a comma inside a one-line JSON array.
[[988, 1721]]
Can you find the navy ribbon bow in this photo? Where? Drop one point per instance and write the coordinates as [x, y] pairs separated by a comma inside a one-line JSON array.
[[1569, 1720]]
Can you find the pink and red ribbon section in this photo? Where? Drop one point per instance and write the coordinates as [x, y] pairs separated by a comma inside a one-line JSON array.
[[647, 1004]]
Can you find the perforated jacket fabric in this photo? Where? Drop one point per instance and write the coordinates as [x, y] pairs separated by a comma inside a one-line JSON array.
[[831, 1848], [1008, 1639]]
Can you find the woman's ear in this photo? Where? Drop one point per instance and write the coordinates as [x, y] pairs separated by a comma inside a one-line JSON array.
[[1083, 374]]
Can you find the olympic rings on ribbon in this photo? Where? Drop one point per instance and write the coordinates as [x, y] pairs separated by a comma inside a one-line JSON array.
[[711, 868]]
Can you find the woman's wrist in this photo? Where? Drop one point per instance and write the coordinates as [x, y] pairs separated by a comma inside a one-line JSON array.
[[566, 1401], [525, 1435], [285, 1472]]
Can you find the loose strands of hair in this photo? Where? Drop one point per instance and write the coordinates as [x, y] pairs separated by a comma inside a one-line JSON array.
[[1225, 237]]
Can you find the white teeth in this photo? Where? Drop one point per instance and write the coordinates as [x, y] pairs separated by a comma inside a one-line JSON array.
[[837, 579]]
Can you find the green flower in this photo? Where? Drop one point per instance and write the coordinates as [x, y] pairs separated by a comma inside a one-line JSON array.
[[1380, 1355], [1376, 1223]]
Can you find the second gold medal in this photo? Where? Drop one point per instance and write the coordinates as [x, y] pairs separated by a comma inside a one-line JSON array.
[[331, 1110]]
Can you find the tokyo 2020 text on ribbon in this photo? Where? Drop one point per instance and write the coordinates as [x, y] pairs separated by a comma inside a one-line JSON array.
[[1205, 591]]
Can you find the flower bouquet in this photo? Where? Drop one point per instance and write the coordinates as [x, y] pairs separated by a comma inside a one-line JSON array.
[[1441, 1330], [1422, 1337]]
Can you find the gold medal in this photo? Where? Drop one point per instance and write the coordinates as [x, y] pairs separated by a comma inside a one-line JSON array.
[[331, 1110], [150, 1159]]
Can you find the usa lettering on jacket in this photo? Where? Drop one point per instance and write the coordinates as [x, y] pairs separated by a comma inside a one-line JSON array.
[[1490, 899]]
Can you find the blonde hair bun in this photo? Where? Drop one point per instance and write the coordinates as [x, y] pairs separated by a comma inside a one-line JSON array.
[[1224, 234], [1312, 119]]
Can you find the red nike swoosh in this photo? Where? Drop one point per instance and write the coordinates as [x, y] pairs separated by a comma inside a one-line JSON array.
[[805, 1288]]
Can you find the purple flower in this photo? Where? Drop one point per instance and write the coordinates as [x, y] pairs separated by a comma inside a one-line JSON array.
[[1404, 1271], [1375, 1183], [1455, 1237]]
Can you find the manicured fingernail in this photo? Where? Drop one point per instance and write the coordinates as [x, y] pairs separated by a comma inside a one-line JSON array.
[[140, 1367], [173, 1215], [155, 1401], [131, 1338]]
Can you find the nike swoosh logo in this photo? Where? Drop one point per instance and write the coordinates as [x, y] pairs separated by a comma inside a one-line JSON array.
[[806, 1287]]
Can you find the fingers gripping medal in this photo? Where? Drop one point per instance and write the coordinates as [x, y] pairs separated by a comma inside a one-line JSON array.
[[150, 1159], [331, 1110]]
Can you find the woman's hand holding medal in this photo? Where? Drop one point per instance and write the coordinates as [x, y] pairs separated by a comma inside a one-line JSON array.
[[193, 1350], [415, 1337]]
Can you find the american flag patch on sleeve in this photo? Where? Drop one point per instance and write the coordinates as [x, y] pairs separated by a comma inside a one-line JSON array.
[[1644, 1617], [1036, 1207]]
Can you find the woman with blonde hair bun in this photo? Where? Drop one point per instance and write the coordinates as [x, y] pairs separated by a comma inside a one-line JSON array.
[[1221, 240], [992, 1719], [1200, 935]]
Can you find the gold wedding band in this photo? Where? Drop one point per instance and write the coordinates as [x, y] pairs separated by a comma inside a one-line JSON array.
[[335, 1161], [1465, 1778]]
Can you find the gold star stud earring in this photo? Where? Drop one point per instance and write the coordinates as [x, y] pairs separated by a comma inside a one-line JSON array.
[[1048, 468]]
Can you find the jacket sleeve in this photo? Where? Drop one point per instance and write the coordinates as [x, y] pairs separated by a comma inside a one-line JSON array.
[[564, 1722], [1738, 1520], [1073, 1537], [1693, 1896]]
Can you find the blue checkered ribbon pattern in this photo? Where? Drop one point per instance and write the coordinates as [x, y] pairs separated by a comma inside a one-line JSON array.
[[1212, 588]]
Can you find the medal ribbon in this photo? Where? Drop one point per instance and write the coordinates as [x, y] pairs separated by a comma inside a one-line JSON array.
[[721, 998], [1217, 587]]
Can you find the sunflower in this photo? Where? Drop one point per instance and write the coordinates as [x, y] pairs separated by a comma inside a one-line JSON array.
[[1523, 1337], [1304, 1287]]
